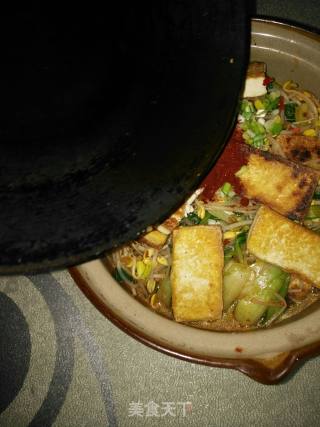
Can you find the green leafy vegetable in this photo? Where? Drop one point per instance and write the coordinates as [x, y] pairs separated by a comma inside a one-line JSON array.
[[191, 219], [120, 275], [258, 296], [239, 246], [206, 218], [290, 111], [235, 277], [316, 195], [272, 311]]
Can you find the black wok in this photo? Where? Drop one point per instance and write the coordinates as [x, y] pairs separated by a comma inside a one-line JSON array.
[[109, 119]]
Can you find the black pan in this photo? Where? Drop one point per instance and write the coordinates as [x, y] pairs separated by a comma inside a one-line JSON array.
[[109, 119]]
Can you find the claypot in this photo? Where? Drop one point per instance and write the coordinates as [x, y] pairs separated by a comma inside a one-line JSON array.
[[266, 355]]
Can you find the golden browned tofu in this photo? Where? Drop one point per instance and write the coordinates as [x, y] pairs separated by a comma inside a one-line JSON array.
[[196, 273], [278, 183], [155, 239], [280, 241], [254, 81], [301, 149]]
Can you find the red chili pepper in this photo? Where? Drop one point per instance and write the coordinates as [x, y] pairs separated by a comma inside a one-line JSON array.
[[281, 103], [244, 201], [267, 80]]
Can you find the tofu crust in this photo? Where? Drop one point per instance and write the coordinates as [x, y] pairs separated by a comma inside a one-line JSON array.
[[301, 149], [278, 183], [280, 241], [196, 274], [256, 69]]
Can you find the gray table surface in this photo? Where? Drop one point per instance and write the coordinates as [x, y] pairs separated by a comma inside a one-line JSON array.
[[78, 369]]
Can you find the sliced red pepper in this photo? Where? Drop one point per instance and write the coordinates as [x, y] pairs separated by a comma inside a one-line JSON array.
[[267, 80], [244, 201]]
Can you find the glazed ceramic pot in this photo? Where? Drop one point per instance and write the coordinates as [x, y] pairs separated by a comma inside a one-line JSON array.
[[265, 354]]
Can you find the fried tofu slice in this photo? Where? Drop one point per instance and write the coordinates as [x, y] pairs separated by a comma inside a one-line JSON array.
[[301, 149], [157, 238], [254, 86], [278, 183], [196, 273], [280, 241]]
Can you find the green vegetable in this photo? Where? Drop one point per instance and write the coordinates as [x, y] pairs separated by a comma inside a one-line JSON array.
[[316, 195], [254, 133], [258, 141], [228, 253], [271, 312], [226, 188], [313, 212], [236, 250], [276, 128], [248, 313], [270, 85], [234, 278], [191, 219], [120, 275], [164, 293], [206, 218], [220, 215], [256, 127], [239, 246], [271, 100], [247, 109], [290, 111], [257, 295]]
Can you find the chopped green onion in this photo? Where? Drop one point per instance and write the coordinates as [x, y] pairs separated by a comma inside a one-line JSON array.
[[226, 188], [247, 109], [271, 100], [276, 128]]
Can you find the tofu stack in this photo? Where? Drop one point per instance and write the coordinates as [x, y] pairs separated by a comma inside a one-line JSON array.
[[196, 273]]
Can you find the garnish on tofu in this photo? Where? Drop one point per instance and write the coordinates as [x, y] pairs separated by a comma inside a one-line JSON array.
[[300, 149]]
